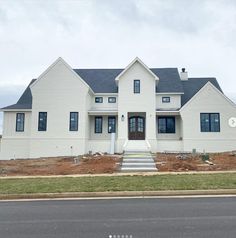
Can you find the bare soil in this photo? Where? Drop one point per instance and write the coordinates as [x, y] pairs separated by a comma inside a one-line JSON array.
[[175, 162], [88, 164]]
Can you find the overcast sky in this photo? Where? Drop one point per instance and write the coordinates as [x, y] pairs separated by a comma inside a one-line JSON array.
[[198, 35]]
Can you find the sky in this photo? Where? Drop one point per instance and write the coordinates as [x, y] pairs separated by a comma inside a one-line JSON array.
[[198, 35]]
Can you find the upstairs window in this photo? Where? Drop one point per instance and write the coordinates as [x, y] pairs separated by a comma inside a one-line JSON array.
[[98, 99], [166, 124], [20, 120], [210, 122], [136, 86], [42, 121], [73, 121], [111, 124], [111, 99], [166, 99], [98, 125]]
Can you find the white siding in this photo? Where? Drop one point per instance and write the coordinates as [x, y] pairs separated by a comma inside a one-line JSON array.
[[58, 93], [208, 100], [131, 102], [175, 101]]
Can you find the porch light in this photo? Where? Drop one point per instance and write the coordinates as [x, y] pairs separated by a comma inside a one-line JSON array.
[[122, 118]]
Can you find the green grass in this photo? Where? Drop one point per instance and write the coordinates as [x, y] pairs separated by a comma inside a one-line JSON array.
[[118, 183]]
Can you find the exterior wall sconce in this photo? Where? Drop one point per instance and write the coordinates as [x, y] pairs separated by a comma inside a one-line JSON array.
[[122, 118]]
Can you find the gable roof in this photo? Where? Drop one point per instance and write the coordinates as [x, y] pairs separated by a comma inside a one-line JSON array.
[[25, 101], [140, 62], [103, 80], [193, 85]]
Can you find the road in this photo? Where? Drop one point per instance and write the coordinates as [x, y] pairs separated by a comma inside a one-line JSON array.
[[120, 218]]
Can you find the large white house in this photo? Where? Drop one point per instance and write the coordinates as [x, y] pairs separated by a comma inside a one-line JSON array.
[[69, 111]]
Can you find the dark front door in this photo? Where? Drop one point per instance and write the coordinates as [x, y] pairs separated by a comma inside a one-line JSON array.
[[136, 128]]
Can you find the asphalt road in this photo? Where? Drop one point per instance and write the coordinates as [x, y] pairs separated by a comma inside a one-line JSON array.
[[120, 218]]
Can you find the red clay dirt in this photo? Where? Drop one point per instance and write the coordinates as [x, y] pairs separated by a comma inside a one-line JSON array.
[[60, 166], [167, 162]]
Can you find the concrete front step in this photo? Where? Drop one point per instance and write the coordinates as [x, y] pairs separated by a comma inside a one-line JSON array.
[[141, 169], [138, 161]]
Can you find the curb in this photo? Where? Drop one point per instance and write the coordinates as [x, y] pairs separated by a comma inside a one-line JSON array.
[[123, 194]]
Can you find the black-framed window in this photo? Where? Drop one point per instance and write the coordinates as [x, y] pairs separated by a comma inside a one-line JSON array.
[[111, 124], [165, 99], [111, 99], [210, 122], [20, 122], [42, 121], [166, 124], [98, 99], [136, 86], [74, 121], [98, 125]]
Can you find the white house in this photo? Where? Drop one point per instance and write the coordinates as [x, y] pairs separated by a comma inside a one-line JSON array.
[[69, 111]]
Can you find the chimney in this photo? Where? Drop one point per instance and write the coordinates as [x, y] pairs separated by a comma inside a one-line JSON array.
[[183, 74]]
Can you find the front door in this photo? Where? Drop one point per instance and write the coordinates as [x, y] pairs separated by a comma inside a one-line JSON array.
[[136, 128]]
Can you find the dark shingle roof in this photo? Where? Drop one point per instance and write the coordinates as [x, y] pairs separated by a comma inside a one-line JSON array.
[[169, 80], [193, 85], [25, 101], [100, 80], [103, 80]]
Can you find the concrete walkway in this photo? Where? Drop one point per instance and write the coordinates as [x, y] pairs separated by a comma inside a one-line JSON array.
[[138, 161]]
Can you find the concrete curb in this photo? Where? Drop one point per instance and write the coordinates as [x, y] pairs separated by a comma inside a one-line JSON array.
[[120, 174], [119, 194]]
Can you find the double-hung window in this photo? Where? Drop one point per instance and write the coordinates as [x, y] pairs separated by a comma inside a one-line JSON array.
[[20, 120], [136, 86], [111, 124], [74, 121], [42, 121], [166, 124], [210, 122], [98, 125]]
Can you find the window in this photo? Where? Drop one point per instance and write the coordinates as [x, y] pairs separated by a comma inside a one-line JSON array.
[[42, 122], [165, 99], [98, 124], [20, 120], [98, 99], [112, 99], [111, 124], [166, 124], [136, 86], [210, 122], [73, 121]]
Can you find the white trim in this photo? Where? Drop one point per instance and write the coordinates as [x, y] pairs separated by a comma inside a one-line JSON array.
[[103, 112], [203, 88], [168, 93], [52, 65], [15, 110], [105, 94], [134, 61]]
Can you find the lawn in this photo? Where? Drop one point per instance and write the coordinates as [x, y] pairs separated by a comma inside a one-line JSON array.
[[118, 183]]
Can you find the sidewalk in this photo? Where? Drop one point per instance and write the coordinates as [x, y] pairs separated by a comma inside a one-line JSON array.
[[119, 174]]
